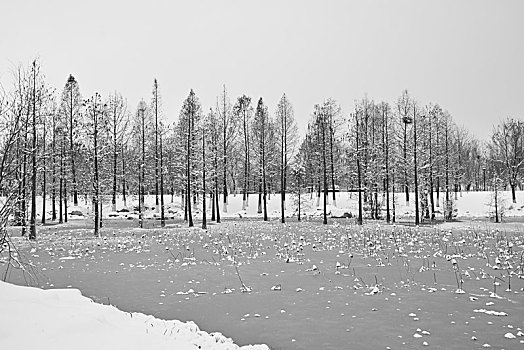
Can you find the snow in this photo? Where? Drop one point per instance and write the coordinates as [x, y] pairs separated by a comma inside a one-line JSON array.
[[468, 204], [64, 319]]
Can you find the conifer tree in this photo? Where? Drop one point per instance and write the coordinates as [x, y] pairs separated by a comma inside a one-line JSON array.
[[71, 111]]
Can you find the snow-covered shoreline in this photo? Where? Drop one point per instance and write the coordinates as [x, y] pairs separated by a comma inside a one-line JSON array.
[[34, 318]]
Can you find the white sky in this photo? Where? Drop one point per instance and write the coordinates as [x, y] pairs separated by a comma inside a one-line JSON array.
[[468, 56]]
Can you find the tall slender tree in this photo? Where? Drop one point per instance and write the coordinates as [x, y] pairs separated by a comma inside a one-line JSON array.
[[228, 125], [287, 135], [243, 110], [189, 118], [261, 129], [117, 120], [141, 126], [71, 111], [96, 113], [32, 232]]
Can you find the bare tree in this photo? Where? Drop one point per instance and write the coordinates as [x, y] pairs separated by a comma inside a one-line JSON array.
[[244, 111], [189, 118], [287, 136], [261, 129], [506, 149], [228, 125], [71, 111], [117, 120], [141, 125], [96, 114], [404, 107]]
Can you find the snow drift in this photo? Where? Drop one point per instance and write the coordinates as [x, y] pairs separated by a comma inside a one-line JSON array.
[[33, 318]]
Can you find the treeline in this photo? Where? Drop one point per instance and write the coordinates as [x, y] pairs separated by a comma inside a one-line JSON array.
[[63, 146]]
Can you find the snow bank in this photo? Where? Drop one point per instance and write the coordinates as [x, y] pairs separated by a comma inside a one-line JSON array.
[[33, 318]]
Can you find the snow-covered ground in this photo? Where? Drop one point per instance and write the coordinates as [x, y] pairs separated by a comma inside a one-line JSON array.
[[64, 319], [33, 318], [467, 204]]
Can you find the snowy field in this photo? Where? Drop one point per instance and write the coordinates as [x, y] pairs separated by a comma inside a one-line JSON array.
[[467, 204], [294, 286]]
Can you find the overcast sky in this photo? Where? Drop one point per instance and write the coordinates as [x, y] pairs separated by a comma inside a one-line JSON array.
[[468, 56]]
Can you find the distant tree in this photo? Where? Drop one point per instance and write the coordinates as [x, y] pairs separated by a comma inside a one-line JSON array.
[[161, 155], [71, 111], [189, 118], [244, 111], [228, 126], [404, 108], [287, 136], [117, 120], [357, 116], [298, 172], [416, 115], [448, 207], [142, 126], [38, 102], [96, 114], [506, 148], [213, 145], [497, 203], [47, 111], [322, 119], [203, 135], [22, 107], [386, 148], [155, 108], [261, 129], [11, 133], [12, 129]]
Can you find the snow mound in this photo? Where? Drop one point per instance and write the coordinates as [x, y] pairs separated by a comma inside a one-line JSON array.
[[64, 319]]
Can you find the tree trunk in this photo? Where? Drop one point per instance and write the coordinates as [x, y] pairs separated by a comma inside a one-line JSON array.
[[282, 171], [259, 211], [331, 141], [188, 173], [417, 213], [386, 146], [115, 161], [246, 163], [359, 174], [124, 200], [156, 145], [324, 169], [217, 199], [162, 212], [212, 199], [96, 197], [44, 171], [437, 194], [204, 219], [61, 186], [393, 219], [71, 148], [406, 164], [299, 187], [32, 233], [24, 177]]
